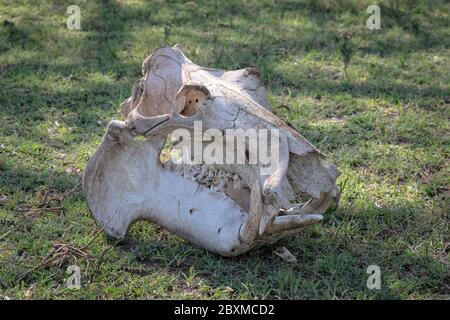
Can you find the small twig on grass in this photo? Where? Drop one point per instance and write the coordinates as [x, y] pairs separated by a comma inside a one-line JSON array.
[[442, 254], [57, 256], [45, 205], [35, 212], [4, 235], [99, 231], [285, 106], [62, 252]]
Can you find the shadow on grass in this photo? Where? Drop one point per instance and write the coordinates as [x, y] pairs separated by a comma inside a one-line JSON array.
[[332, 261]]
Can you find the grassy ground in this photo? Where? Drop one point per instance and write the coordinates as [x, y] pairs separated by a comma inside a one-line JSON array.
[[383, 119]]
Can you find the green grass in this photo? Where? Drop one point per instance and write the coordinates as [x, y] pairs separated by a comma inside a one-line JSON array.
[[385, 124]]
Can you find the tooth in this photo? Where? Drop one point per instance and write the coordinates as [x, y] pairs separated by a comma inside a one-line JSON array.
[[237, 184]]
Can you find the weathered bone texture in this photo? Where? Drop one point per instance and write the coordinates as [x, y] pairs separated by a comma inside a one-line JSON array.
[[226, 208]]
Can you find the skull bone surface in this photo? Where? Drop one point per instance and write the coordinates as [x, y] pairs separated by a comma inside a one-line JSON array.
[[227, 206]]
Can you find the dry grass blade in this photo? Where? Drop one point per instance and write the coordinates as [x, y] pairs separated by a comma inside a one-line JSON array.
[[62, 252], [45, 206], [58, 255], [33, 213]]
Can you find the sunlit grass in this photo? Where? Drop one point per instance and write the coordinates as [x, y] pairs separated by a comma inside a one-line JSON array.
[[385, 124]]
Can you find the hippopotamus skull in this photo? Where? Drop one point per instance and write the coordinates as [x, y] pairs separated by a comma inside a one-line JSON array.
[[226, 207]]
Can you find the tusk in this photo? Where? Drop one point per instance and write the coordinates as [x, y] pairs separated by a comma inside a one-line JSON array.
[[250, 228], [285, 223]]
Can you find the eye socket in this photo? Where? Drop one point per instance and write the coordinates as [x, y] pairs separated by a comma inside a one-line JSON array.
[[196, 100], [190, 101]]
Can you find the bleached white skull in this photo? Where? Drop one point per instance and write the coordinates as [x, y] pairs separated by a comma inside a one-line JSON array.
[[225, 207]]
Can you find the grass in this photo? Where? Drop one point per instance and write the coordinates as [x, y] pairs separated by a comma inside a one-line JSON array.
[[384, 122]]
